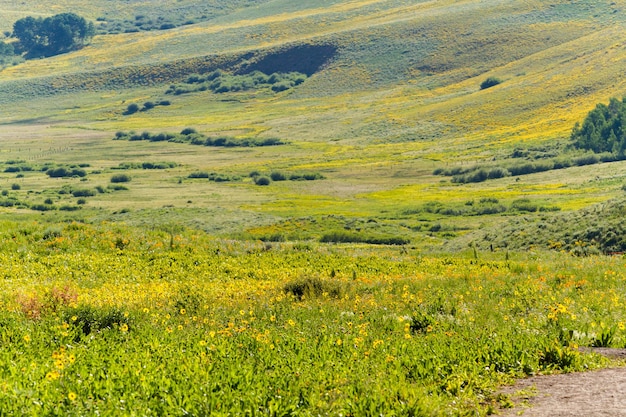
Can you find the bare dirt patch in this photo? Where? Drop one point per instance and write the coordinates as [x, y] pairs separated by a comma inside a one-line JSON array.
[[597, 393]]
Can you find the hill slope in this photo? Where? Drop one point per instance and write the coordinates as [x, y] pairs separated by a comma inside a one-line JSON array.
[[393, 93]]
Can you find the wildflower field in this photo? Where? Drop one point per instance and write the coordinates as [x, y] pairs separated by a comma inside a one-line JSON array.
[[410, 243], [113, 320]]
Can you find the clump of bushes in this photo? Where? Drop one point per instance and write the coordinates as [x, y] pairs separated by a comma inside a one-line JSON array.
[[190, 136], [148, 105], [341, 236], [146, 165], [66, 171], [214, 176], [281, 176], [220, 82]]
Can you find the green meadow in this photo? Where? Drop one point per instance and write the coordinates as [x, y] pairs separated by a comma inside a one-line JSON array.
[[268, 207]]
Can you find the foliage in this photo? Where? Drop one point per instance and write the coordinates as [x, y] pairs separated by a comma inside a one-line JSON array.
[[490, 82], [192, 137], [117, 178], [53, 35], [603, 129], [66, 171], [351, 237], [262, 180], [220, 82], [406, 333]]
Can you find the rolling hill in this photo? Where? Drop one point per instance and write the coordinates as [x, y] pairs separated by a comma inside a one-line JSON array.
[[392, 93]]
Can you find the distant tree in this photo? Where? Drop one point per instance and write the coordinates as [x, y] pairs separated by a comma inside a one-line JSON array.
[[53, 35], [603, 130]]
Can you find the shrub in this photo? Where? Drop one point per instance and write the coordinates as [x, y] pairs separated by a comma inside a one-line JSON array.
[[118, 178], [312, 287], [262, 180], [16, 187], [84, 193], [490, 82], [278, 176], [199, 174], [524, 204], [90, 319], [131, 109]]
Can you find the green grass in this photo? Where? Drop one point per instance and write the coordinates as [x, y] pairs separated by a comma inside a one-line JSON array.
[[430, 295], [164, 319]]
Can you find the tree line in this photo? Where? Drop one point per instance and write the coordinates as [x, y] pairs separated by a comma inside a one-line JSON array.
[[604, 129]]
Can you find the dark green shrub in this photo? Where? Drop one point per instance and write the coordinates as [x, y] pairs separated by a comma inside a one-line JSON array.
[[16, 187], [490, 82], [119, 178], [199, 174], [131, 109], [278, 176], [188, 131], [117, 187], [262, 180], [84, 193]]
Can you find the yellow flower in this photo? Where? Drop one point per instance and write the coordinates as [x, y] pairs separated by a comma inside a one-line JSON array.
[[339, 342], [124, 327], [52, 375], [183, 311], [74, 318], [72, 396], [272, 318], [26, 338]]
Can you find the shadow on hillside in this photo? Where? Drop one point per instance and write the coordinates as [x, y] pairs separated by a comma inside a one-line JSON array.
[[304, 58]]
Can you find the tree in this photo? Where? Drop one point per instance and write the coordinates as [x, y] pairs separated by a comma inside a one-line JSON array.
[[53, 35]]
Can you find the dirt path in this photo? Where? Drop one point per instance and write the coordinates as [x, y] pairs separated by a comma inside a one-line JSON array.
[[597, 393]]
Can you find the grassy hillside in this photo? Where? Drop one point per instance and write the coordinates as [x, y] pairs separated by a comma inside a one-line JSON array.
[[278, 207], [393, 94]]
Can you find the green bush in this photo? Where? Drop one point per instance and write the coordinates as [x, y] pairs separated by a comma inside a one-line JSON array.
[[84, 193], [278, 176], [312, 287], [262, 180], [119, 178], [490, 82]]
